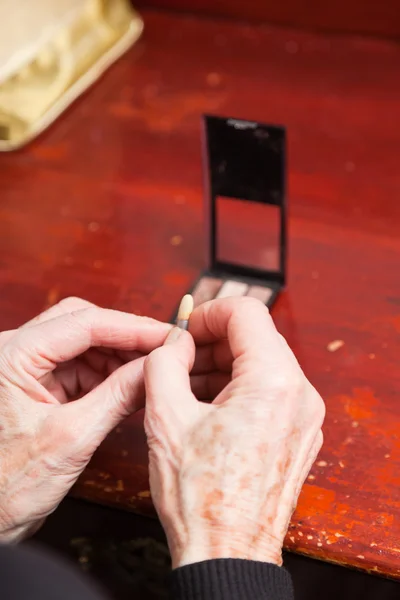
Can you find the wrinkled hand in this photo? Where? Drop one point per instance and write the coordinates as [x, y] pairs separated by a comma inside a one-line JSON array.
[[225, 477], [74, 351]]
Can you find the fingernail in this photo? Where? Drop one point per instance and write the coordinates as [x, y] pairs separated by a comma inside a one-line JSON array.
[[173, 335]]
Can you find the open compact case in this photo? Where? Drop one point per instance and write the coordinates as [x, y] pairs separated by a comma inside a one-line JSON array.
[[246, 212]]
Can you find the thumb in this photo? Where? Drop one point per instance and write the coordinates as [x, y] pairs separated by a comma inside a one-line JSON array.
[[95, 415], [167, 382]]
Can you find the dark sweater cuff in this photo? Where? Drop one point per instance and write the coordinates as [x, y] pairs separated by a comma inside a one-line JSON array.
[[231, 579]]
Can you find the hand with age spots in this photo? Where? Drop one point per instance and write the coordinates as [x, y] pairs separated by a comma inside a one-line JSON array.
[[74, 351], [225, 476]]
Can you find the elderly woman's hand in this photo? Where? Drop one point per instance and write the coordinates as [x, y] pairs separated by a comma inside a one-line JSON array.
[[225, 476], [74, 351]]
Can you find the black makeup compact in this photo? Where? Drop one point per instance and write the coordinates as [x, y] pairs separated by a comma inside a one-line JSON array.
[[245, 210]]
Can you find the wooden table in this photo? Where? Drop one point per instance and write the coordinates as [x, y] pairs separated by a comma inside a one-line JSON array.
[[107, 205]]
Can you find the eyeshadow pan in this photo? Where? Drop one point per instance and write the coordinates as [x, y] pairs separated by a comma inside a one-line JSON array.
[[206, 289], [261, 293], [232, 288]]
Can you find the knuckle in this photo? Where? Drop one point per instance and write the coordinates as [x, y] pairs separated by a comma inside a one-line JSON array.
[[246, 304], [320, 411], [84, 317], [242, 305], [285, 383], [284, 387], [317, 406], [315, 449], [72, 303], [299, 383]]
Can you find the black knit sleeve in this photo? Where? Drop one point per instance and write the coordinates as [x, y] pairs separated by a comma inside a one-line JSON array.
[[231, 579]]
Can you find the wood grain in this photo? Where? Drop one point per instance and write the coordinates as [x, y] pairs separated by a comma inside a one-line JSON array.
[[367, 17], [107, 205]]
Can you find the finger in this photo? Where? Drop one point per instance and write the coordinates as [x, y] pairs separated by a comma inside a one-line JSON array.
[[96, 414], [126, 355], [64, 306], [167, 382], [213, 357], [104, 360], [101, 362], [39, 348], [247, 325], [75, 380], [208, 386], [67, 305]]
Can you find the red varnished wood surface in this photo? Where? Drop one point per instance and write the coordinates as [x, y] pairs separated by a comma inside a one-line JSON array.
[[371, 17], [108, 205]]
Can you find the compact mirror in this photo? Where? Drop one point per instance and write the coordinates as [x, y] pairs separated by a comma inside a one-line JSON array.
[[248, 233]]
